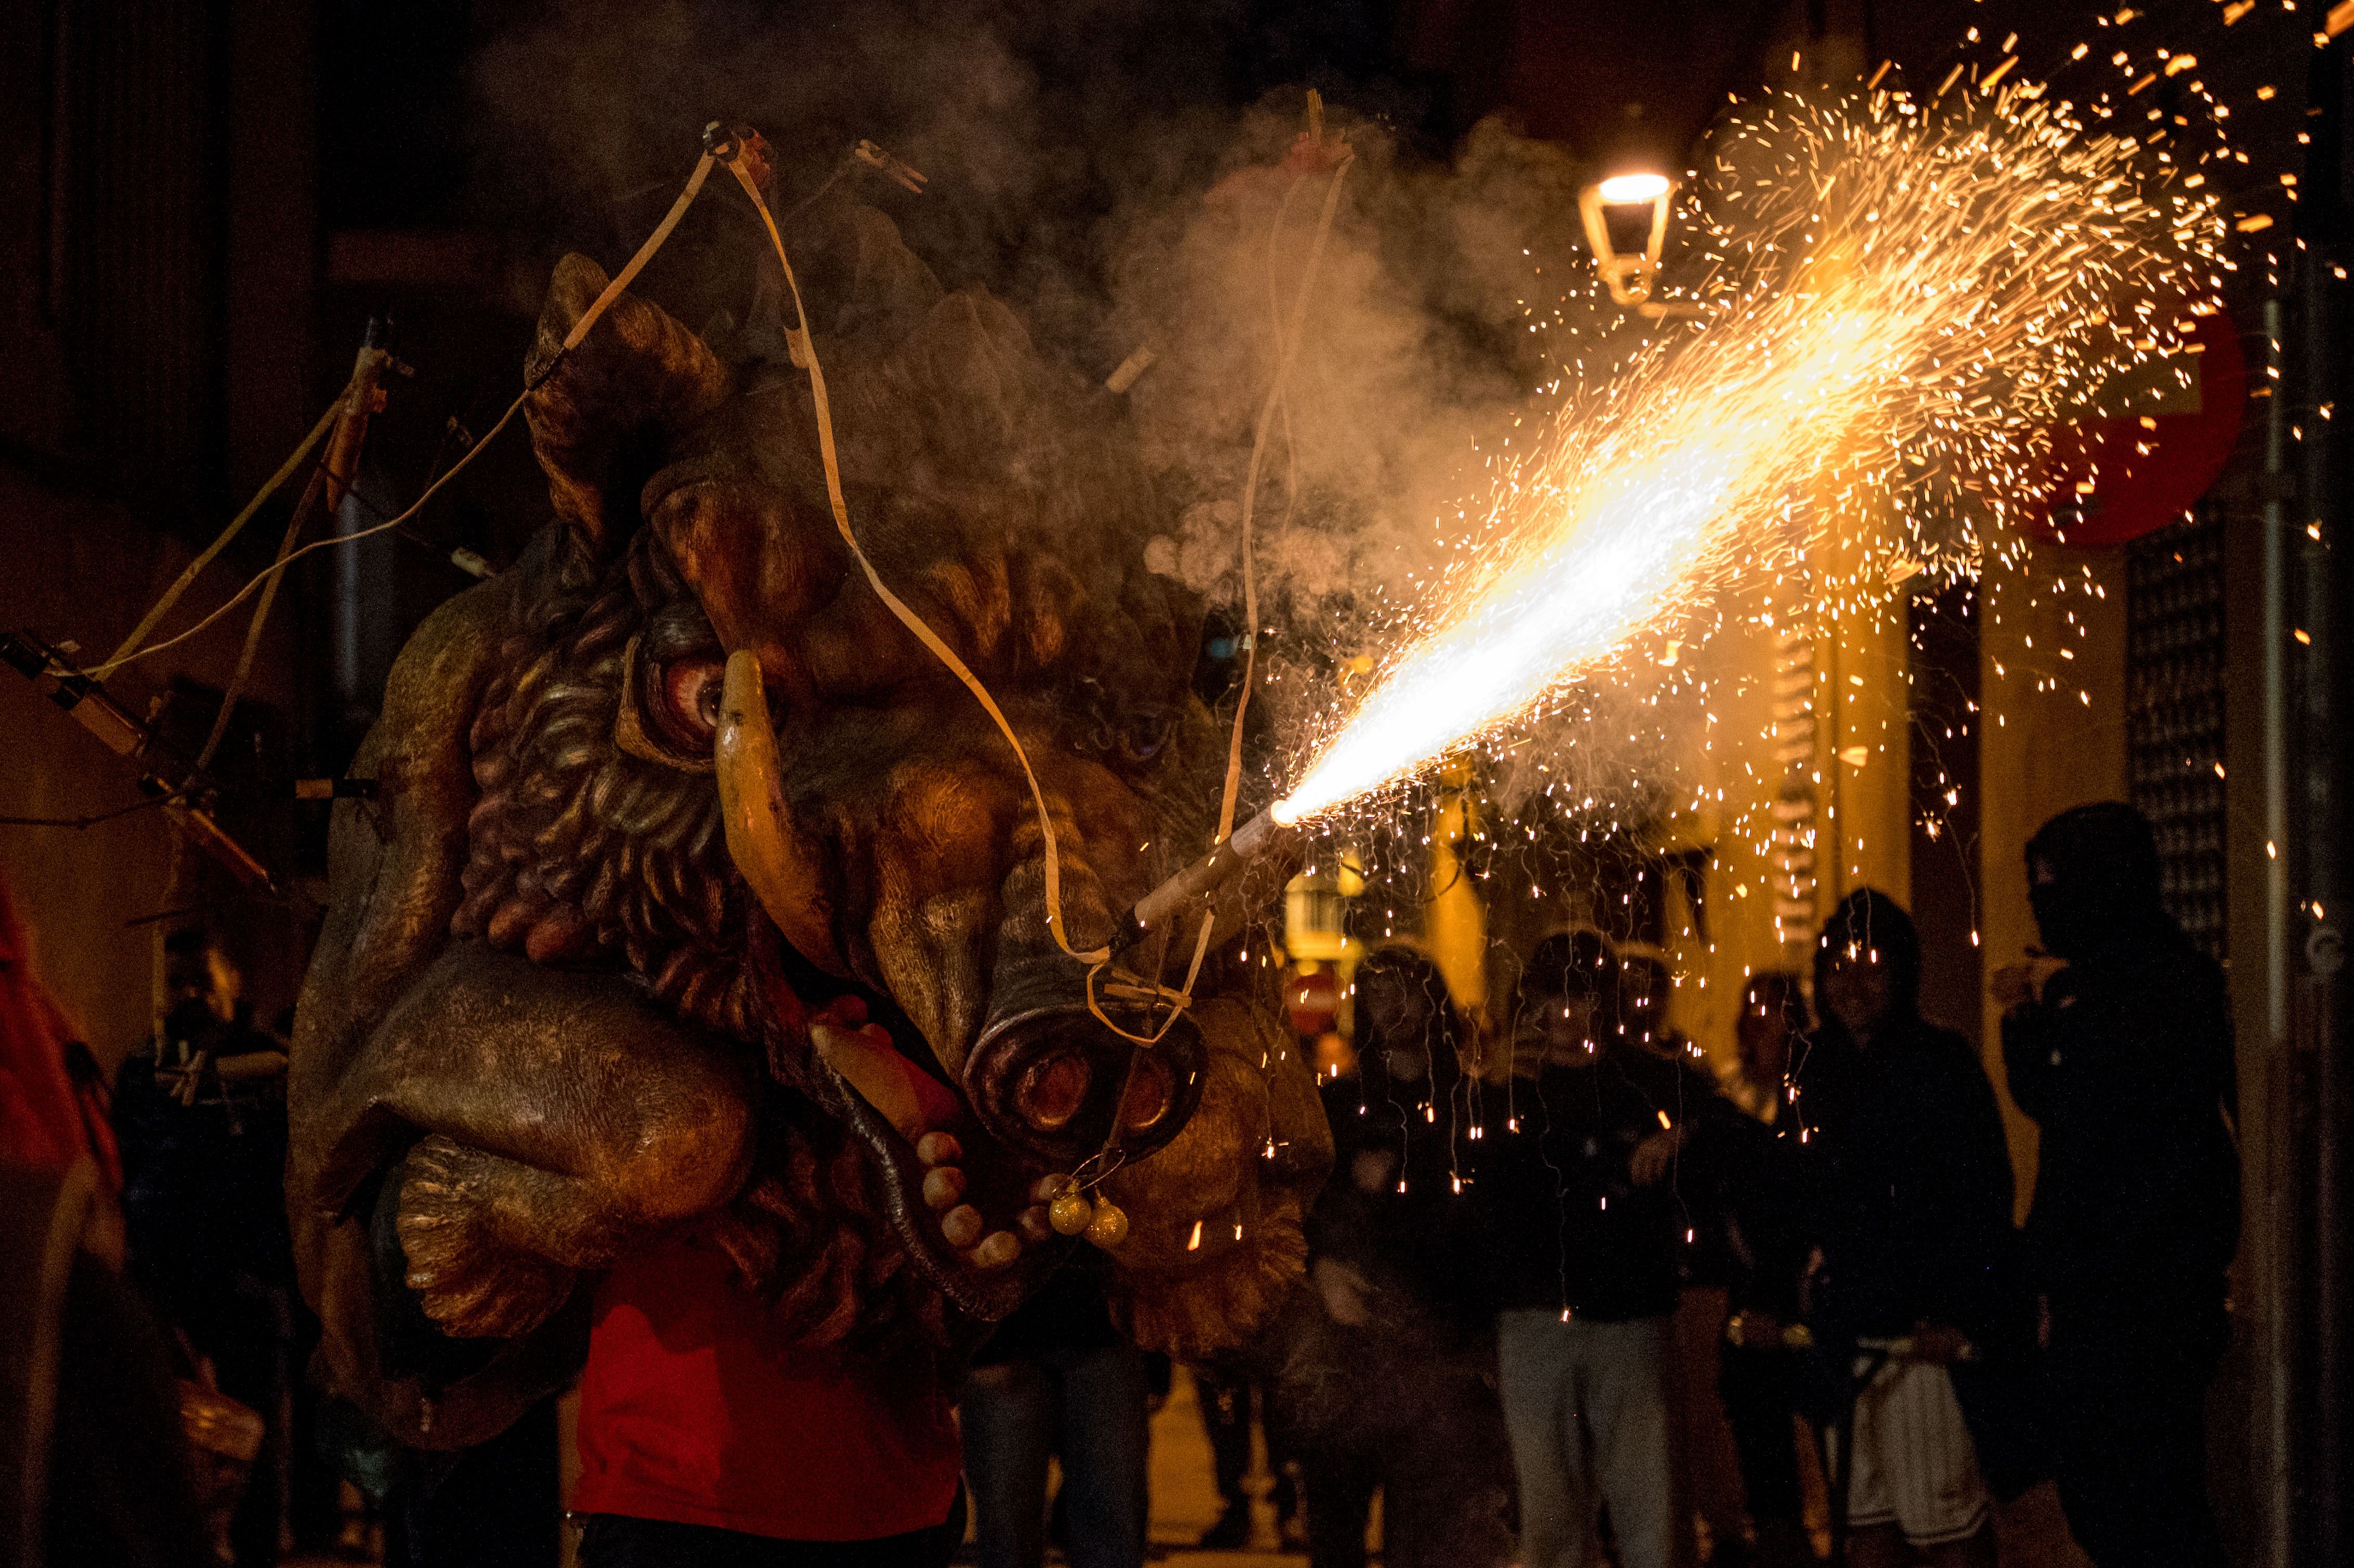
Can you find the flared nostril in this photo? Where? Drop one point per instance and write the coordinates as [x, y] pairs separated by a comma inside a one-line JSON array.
[[1053, 1090], [1055, 1081], [1148, 1095]]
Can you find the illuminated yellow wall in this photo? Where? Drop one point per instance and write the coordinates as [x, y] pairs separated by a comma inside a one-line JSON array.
[[2042, 751], [1863, 704], [1863, 699], [1722, 755]]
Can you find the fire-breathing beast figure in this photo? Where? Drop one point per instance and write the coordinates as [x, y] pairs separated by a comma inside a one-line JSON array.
[[564, 1008]]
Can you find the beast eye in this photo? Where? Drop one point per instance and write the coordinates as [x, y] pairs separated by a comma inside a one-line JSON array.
[[1144, 737], [690, 697], [669, 708]]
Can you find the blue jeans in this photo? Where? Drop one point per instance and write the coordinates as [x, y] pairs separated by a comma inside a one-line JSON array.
[[1090, 1405], [1585, 1404]]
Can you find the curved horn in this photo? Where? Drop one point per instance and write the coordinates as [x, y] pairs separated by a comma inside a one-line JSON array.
[[774, 857], [604, 420]]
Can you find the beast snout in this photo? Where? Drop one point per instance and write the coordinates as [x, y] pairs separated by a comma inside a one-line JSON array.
[[1044, 1074], [1049, 1076]]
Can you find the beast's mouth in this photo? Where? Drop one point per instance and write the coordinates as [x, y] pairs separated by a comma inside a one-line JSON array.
[[1051, 1083], [969, 1208]]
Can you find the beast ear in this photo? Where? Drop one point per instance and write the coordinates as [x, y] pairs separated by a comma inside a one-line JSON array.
[[602, 424]]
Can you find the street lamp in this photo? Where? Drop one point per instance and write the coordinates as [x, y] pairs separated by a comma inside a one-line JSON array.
[[1629, 278]]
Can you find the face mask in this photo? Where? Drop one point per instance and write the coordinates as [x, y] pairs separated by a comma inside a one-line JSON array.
[[2072, 920]]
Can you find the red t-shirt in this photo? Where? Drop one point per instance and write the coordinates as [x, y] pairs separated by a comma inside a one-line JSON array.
[[693, 1409]]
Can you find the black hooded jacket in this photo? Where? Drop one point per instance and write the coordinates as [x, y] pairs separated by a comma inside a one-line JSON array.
[[1396, 1208], [1907, 1175], [2126, 1064]]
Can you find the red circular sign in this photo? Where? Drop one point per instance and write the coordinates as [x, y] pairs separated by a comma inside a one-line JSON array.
[[1313, 1000], [2112, 479]]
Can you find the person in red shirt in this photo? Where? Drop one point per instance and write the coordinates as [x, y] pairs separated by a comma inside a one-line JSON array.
[[706, 1439], [48, 1121], [709, 1436]]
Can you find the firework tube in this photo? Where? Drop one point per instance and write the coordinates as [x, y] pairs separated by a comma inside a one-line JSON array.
[[1270, 830]]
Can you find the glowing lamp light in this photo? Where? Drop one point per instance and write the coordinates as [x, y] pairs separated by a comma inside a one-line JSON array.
[[1632, 190]]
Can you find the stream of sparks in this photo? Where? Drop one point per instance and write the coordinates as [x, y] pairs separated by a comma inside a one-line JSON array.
[[1908, 293]]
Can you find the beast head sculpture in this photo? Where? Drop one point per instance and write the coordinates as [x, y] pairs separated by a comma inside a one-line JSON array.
[[697, 893]]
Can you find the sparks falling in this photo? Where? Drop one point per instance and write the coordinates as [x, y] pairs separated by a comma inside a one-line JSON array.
[[1908, 295]]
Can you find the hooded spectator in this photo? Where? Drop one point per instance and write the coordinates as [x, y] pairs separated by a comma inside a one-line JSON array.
[[2124, 1060], [1908, 1204]]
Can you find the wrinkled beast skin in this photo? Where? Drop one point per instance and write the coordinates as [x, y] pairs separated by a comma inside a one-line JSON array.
[[549, 1023]]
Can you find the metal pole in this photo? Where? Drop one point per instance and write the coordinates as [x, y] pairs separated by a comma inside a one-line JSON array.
[[350, 600], [2277, 484], [2321, 757], [2278, 1229], [2323, 760]]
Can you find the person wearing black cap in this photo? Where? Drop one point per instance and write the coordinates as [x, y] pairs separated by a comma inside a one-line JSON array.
[[1908, 1205], [2124, 1060]]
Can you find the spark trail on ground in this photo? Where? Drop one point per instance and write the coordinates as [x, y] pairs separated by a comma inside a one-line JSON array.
[[1906, 296]]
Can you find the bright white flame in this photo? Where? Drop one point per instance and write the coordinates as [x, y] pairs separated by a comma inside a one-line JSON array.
[[1628, 190], [1923, 293], [1628, 533]]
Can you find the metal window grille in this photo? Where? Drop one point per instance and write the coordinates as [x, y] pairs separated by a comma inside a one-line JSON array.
[[2173, 695]]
